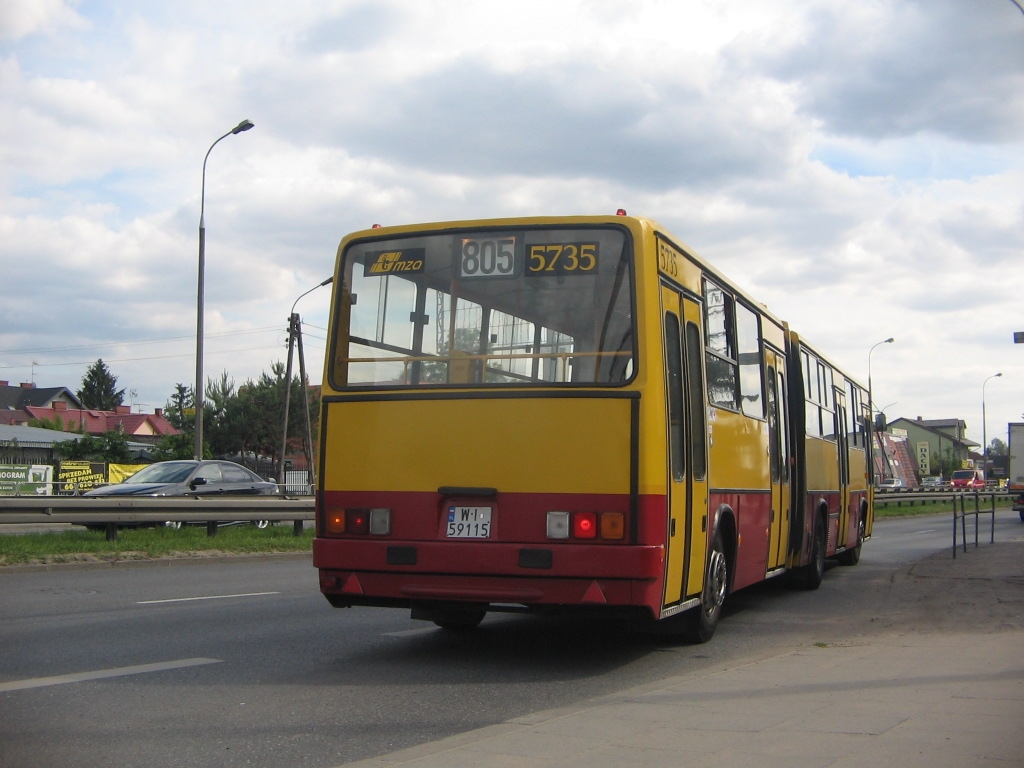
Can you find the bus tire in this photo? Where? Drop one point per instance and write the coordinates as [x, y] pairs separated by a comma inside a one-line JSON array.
[[852, 555], [703, 620], [809, 576]]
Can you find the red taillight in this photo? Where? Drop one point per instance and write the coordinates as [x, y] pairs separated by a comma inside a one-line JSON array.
[[584, 525], [357, 521], [609, 526]]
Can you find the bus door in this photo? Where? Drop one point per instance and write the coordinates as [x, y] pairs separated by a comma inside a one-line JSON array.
[[779, 457], [687, 535], [843, 448]]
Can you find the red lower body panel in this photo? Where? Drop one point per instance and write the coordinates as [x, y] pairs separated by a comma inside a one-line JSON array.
[[366, 572]]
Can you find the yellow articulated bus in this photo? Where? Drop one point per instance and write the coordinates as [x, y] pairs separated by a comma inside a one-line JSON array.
[[559, 414]]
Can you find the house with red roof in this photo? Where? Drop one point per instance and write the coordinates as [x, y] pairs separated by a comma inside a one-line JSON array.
[[19, 405]]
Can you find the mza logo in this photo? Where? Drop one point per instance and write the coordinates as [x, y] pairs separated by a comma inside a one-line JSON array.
[[392, 262]]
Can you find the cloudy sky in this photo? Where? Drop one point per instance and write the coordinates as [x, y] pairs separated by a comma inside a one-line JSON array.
[[856, 166]]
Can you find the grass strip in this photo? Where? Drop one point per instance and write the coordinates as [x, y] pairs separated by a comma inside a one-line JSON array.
[[75, 545], [891, 505]]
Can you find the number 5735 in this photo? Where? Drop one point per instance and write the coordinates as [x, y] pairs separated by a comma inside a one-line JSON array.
[[563, 258]]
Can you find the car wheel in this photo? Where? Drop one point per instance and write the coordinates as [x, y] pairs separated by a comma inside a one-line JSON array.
[[261, 524], [175, 524]]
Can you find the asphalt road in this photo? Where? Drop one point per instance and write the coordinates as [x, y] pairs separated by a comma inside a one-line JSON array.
[[242, 662]]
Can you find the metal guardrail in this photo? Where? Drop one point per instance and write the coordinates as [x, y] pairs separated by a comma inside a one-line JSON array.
[[110, 510], [921, 497], [48, 488]]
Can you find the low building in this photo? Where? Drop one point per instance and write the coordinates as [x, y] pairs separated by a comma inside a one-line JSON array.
[[933, 442], [58, 405], [20, 444]]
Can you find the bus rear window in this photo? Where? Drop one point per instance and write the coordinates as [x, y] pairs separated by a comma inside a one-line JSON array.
[[482, 308]]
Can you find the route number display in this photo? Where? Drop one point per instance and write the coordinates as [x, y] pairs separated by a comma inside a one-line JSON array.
[[487, 257]]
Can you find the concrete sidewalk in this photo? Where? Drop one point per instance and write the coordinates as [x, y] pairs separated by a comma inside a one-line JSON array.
[[937, 680]]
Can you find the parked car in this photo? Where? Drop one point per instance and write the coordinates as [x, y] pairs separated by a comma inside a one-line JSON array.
[[188, 477], [967, 478], [890, 484]]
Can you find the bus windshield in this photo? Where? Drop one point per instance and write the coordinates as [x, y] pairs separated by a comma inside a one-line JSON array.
[[486, 307]]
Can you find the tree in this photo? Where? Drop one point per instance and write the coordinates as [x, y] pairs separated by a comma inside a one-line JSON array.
[[180, 412], [170, 447], [99, 388], [111, 447], [179, 409], [55, 423], [243, 420]]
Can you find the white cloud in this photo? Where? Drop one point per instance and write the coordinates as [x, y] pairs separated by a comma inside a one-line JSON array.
[[855, 166], [22, 18]]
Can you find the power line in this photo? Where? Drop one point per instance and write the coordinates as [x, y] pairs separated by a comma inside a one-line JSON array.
[[137, 359], [38, 350]]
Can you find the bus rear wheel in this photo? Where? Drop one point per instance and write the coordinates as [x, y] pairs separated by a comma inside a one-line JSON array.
[[809, 576], [851, 556], [703, 620]]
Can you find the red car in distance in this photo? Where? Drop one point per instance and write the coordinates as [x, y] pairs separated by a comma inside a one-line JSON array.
[[967, 478]]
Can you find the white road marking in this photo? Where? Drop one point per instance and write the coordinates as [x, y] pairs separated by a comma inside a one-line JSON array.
[[208, 597], [99, 674]]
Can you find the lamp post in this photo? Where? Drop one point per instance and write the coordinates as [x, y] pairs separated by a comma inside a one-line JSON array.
[[984, 426], [245, 125], [295, 334], [871, 402], [871, 412]]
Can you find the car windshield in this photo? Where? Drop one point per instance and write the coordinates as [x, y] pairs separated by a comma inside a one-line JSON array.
[[166, 472], [963, 474]]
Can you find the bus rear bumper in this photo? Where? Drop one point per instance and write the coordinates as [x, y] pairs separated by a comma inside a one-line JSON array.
[[351, 573]]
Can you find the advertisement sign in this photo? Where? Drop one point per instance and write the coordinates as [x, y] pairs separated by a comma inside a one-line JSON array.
[[25, 479], [924, 462], [79, 476], [118, 473], [12, 476]]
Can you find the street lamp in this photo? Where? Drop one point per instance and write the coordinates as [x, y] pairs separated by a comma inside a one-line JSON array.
[[871, 402], [245, 125], [984, 426], [295, 335]]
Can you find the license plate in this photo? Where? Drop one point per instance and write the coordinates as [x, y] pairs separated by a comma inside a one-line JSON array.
[[469, 522]]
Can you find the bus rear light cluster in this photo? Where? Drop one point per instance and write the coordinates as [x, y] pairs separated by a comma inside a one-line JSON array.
[[586, 525], [360, 522]]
